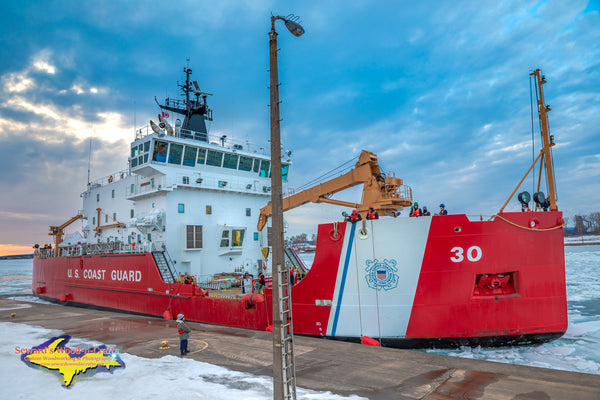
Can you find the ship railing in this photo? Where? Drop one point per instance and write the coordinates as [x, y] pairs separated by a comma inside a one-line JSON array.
[[219, 140], [111, 178]]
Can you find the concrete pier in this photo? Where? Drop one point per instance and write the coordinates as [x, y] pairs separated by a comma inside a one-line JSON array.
[[321, 364]]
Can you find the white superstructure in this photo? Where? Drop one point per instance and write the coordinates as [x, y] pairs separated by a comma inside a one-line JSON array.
[[196, 194]]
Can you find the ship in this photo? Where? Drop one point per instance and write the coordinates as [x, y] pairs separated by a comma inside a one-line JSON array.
[[174, 232]]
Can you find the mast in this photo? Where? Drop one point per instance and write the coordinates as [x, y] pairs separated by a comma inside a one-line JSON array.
[[547, 140]]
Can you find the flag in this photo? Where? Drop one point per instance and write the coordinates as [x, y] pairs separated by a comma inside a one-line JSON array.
[[165, 115]]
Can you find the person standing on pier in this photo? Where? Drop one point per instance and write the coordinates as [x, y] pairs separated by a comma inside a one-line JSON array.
[[184, 334]]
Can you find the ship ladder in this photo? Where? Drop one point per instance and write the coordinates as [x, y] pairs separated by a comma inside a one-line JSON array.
[[163, 266], [286, 335]]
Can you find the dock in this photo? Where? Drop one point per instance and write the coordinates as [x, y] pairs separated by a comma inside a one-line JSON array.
[[321, 364]]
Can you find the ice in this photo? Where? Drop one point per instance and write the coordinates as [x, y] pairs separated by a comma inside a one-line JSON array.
[[142, 378]]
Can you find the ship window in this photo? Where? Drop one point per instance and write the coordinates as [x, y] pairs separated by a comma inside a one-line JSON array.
[[140, 160], [230, 161], [186, 180], [97, 196], [256, 164], [245, 163], [131, 213], [152, 182], [106, 219], [93, 220], [232, 237], [175, 153], [284, 172], [208, 210], [264, 167], [146, 147], [160, 152], [145, 158], [134, 162], [214, 158], [132, 187], [248, 212], [134, 151], [149, 237], [180, 208], [189, 156], [255, 235], [115, 216], [225, 239], [201, 156], [141, 148], [193, 236], [113, 193]]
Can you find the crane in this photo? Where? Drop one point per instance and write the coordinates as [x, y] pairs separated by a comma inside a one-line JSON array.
[[59, 232], [99, 227], [386, 194]]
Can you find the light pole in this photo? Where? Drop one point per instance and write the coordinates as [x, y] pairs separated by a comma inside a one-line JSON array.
[[282, 389]]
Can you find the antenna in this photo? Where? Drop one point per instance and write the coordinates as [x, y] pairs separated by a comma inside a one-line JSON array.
[[90, 157]]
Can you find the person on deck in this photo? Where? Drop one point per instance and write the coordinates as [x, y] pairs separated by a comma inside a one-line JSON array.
[[443, 210], [416, 211], [355, 216], [184, 334], [247, 283], [372, 214], [426, 213]]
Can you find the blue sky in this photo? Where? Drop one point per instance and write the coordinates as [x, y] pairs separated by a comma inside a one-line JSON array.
[[439, 90]]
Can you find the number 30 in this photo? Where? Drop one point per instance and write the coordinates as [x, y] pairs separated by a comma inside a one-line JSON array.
[[474, 254]]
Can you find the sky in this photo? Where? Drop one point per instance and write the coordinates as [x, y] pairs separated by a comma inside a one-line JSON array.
[[438, 90]]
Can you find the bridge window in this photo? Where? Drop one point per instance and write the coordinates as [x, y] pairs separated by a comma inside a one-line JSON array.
[[256, 165], [245, 163], [264, 168], [230, 161], [232, 237], [160, 151], [175, 153], [201, 156], [284, 171], [214, 158], [189, 156]]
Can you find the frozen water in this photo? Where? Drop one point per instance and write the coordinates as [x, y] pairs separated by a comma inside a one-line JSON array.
[[142, 378]]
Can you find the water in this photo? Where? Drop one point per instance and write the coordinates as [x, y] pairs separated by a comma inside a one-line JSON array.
[[578, 350]]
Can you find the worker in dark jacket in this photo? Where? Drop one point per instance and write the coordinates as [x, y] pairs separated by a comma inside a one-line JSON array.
[[443, 210], [416, 211], [184, 334], [372, 214], [426, 213]]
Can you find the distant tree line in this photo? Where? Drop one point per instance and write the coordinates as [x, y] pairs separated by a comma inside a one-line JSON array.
[[585, 224], [300, 239]]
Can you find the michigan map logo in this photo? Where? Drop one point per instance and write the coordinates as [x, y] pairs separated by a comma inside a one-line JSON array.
[[70, 363]]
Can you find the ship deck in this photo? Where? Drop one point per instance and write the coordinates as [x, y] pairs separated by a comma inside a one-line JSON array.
[[342, 368]]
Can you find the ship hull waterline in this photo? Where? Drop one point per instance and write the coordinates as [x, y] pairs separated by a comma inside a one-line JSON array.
[[441, 281]]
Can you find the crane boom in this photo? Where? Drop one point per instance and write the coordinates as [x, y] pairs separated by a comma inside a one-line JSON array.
[[59, 231], [386, 194]]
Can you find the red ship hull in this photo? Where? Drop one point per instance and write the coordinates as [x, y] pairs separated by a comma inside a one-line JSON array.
[[410, 282]]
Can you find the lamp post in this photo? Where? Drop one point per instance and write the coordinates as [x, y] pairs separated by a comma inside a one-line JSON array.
[[281, 387]]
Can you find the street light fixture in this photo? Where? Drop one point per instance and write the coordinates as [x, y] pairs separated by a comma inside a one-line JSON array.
[[284, 386]]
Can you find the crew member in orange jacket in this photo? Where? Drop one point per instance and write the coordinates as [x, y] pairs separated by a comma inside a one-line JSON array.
[[416, 211], [355, 216], [372, 214]]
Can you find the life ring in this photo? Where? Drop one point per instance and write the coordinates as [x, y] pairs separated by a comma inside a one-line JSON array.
[[110, 179]]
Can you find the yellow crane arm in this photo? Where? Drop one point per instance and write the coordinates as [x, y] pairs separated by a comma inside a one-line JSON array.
[[59, 231], [386, 194]]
